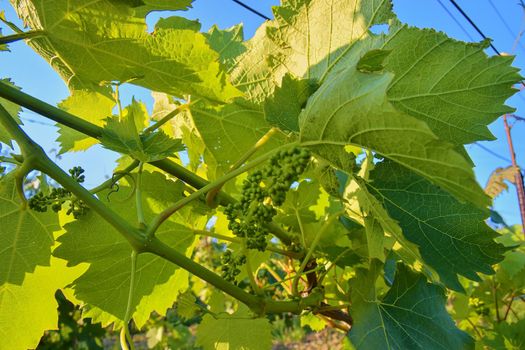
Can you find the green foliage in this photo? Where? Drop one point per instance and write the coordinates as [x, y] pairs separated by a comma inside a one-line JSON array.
[[102, 286], [411, 315], [121, 134], [262, 191], [237, 331], [92, 105], [452, 236], [73, 332], [22, 303], [58, 196], [26, 236], [327, 179]]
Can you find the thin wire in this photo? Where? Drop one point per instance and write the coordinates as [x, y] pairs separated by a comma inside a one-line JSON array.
[[453, 2], [455, 20], [488, 150], [33, 121], [252, 10], [511, 32]]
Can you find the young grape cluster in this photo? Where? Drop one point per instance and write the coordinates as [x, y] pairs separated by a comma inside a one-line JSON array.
[[262, 191], [231, 264], [58, 196]]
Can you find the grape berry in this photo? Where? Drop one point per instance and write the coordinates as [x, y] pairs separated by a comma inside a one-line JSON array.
[[58, 196], [262, 191]]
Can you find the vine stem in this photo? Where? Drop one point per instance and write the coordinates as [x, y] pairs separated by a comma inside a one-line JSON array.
[[249, 270], [20, 36], [238, 240], [60, 116], [496, 304], [210, 198], [34, 157], [138, 198], [166, 118], [157, 221], [127, 317], [509, 305], [311, 249], [116, 176]]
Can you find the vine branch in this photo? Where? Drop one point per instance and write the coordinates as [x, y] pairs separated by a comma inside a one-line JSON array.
[[36, 158], [60, 116]]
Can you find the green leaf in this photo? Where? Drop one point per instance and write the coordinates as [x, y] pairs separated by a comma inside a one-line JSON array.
[[228, 132], [29, 309], [452, 86], [105, 285], [13, 110], [298, 42], [350, 108], [298, 205], [176, 22], [452, 236], [229, 43], [508, 336], [282, 109], [102, 41], [361, 205], [234, 332], [315, 323], [93, 106], [372, 61], [315, 34], [411, 315], [375, 238], [26, 236], [121, 134], [186, 305]]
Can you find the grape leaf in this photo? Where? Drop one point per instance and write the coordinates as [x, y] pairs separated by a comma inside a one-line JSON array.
[[121, 134], [282, 109], [254, 74], [186, 305], [315, 323], [101, 41], [362, 206], [298, 204], [234, 332], [228, 43], [351, 108], [91, 105], [452, 86], [26, 236], [430, 68], [507, 336], [13, 110], [19, 304], [228, 132], [308, 48], [372, 61], [411, 315], [181, 126], [105, 285], [176, 22], [452, 236], [496, 182], [298, 42]]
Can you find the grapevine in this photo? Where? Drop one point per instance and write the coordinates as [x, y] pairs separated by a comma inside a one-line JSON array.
[[314, 175], [58, 196], [262, 192]]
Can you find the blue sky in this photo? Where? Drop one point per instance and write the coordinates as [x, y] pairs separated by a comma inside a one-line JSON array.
[[36, 77]]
